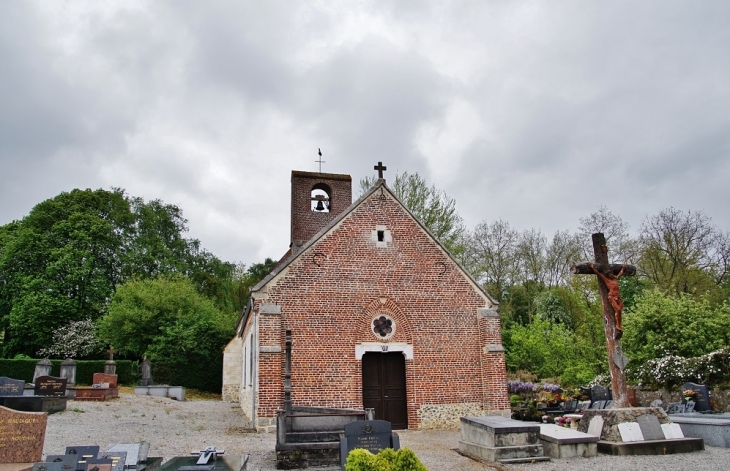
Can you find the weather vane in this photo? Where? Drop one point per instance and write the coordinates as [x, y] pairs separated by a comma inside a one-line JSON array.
[[320, 161]]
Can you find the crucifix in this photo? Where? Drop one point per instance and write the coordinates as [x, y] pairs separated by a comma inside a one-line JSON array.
[[380, 168], [608, 276]]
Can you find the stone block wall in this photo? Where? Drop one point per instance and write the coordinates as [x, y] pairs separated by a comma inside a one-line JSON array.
[[232, 368]]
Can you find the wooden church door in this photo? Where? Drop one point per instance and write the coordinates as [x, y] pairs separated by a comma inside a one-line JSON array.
[[384, 387]]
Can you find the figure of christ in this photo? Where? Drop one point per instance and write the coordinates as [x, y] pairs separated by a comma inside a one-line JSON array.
[[614, 295]]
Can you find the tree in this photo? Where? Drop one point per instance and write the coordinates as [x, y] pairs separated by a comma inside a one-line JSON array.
[[145, 316], [63, 262], [684, 252], [167, 320], [551, 350], [431, 206], [620, 243], [60, 264], [491, 256], [661, 325], [73, 340]]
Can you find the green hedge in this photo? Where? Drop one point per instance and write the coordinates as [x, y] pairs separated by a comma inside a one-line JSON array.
[[127, 370], [203, 374]]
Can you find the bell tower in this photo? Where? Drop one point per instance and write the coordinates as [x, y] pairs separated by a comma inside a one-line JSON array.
[[316, 199]]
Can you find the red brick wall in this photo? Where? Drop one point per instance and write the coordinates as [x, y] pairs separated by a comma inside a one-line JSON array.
[[305, 223], [328, 306]]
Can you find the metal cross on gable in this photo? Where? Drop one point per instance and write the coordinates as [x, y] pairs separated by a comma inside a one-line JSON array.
[[320, 161], [380, 168]]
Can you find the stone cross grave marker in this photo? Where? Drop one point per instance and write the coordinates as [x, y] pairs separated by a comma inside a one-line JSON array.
[[608, 275], [22, 435], [50, 386]]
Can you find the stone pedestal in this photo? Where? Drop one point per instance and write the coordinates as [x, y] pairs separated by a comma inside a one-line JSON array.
[[42, 368], [501, 439], [68, 371], [110, 367]]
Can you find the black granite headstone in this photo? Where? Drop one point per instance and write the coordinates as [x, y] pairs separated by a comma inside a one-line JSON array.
[[702, 396], [50, 386], [371, 435], [599, 393], [11, 387]]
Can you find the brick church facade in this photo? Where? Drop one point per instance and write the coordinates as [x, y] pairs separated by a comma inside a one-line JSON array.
[[380, 315]]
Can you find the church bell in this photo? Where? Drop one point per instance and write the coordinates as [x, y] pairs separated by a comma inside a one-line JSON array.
[[320, 206]]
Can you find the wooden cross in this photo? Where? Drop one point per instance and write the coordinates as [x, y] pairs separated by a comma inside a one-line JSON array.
[[380, 168], [608, 275]]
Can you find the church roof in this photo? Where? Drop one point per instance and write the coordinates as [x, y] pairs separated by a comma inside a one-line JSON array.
[[379, 185]]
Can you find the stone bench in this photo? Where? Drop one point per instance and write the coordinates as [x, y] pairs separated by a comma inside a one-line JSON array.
[[561, 442], [501, 439]]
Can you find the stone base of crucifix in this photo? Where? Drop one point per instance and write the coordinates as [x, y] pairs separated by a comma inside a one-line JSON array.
[[608, 275]]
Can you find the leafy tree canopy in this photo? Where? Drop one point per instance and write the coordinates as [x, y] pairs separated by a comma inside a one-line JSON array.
[[165, 319], [661, 325], [63, 262]]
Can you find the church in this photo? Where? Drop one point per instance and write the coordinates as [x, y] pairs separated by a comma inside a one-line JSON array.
[[379, 313]]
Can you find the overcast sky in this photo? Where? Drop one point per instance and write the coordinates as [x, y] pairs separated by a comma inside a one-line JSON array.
[[533, 112]]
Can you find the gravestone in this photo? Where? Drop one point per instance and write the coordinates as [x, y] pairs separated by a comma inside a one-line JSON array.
[[135, 452], [50, 467], [650, 427], [68, 371], [600, 393], [630, 432], [371, 435], [67, 462], [42, 368], [118, 459], [702, 396], [50, 386], [101, 378], [83, 453], [672, 431], [98, 464], [11, 387], [11, 396], [22, 435], [207, 459], [595, 426], [146, 369]]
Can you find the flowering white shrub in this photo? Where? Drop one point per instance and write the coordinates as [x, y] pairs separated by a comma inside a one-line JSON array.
[[672, 371], [73, 340]]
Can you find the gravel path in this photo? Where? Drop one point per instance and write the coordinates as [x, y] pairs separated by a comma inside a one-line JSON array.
[[175, 428]]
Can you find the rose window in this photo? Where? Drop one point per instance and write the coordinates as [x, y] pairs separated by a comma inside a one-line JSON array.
[[383, 327]]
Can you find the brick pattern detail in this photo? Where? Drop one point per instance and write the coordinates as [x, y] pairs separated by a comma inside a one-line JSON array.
[[306, 223], [329, 301]]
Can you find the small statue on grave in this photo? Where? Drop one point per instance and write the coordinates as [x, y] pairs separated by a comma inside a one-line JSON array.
[[614, 294]]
